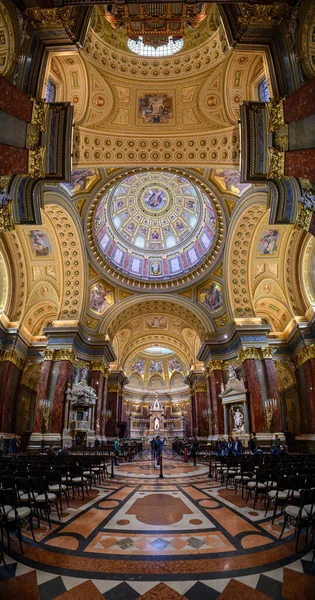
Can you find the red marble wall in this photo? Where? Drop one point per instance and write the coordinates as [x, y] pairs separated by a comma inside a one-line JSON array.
[[42, 393], [201, 403], [300, 163], [188, 421], [14, 101], [273, 392], [301, 103], [216, 379], [9, 385], [255, 397], [64, 374], [13, 161], [309, 371], [112, 404]]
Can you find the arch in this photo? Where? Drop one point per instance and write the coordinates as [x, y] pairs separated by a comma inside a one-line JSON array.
[[139, 344], [135, 380], [156, 382], [4, 281], [306, 269], [177, 380], [11, 39]]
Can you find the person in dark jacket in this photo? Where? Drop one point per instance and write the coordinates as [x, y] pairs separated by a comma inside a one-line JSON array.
[[194, 448], [237, 447], [158, 447]]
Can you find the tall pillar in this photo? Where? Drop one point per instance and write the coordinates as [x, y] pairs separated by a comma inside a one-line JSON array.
[[297, 109], [116, 382], [249, 357], [97, 382], [306, 365], [10, 378], [65, 364], [42, 391], [200, 395], [196, 381], [189, 427], [226, 419], [272, 388], [216, 380]]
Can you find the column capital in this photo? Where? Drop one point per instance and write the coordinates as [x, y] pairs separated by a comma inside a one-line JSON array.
[[254, 353], [214, 365], [65, 355], [49, 354], [13, 357], [99, 365], [304, 355]]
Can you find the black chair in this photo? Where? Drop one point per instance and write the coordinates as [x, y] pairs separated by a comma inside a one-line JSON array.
[[78, 481], [55, 486], [302, 515], [258, 485], [14, 516], [279, 496], [42, 498]]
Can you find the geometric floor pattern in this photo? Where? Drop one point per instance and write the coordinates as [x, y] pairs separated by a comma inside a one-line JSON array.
[[145, 537]]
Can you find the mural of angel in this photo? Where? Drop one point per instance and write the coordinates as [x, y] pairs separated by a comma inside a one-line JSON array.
[[138, 365], [156, 366], [174, 365]]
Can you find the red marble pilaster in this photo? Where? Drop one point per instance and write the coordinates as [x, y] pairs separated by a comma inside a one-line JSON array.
[[42, 393], [112, 404], [188, 421], [255, 397], [201, 404], [64, 374], [209, 403], [97, 382], [168, 412], [301, 103], [216, 380], [9, 384], [309, 371], [273, 392], [13, 161], [14, 101], [300, 163]]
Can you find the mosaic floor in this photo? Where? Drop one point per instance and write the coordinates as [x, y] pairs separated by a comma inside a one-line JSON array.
[[140, 536]]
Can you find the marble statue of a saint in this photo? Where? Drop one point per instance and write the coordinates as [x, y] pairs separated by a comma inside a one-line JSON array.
[[156, 423], [232, 372], [84, 373], [238, 418]]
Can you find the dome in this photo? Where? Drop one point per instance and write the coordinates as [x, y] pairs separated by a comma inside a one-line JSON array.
[[155, 225]]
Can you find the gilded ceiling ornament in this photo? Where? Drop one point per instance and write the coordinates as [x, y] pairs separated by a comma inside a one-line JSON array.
[[49, 17], [306, 354], [304, 219], [257, 13], [221, 321], [276, 163], [91, 322]]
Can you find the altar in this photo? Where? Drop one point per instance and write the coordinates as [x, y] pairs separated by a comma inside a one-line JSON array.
[[157, 415]]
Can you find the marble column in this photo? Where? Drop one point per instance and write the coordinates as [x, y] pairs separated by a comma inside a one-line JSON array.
[[97, 382], [10, 379], [14, 101], [300, 163], [255, 396], [273, 392], [13, 161], [226, 419], [112, 404], [301, 103], [189, 428], [216, 380], [246, 418], [42, 393], [200, 394], [64, 375], [309, 373]]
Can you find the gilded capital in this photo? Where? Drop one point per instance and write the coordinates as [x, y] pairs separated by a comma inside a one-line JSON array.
[[304, 219], [266, 352], [6, 221], [65, 355], [306, 354], [99, 365], [45, 17], [276, 114], [36, 162], [214, 365], [49, 354], [200, 387], [276, 163], [13, 357], [246, 353]]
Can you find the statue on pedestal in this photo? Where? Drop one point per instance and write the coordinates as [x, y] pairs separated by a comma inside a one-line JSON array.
[[156, 423]]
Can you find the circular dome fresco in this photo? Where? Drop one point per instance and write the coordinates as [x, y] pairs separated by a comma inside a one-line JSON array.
[[155, 226]]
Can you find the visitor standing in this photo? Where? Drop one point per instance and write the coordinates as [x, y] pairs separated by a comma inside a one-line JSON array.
[[116, 451], [194, 448]]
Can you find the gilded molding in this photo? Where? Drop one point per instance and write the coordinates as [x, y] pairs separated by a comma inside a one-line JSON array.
[[246, 353], [266, 352], [257, 13], [304, 219], [200, 387], [5, 181], [276, 163], [13, 357], [306, 354], [99, 365], [65, 355], [39, 113], [214, 365], [6, 221]]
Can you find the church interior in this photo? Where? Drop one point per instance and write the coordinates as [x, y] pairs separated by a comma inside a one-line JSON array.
[[157, 282]]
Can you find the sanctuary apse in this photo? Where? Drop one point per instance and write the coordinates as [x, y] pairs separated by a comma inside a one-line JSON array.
[[157, 217]]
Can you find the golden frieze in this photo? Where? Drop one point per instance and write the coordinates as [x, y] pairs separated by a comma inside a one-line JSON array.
[[276, 163], [304, 219], [306, 354], [6, 221], [214, 365], [13, 357]]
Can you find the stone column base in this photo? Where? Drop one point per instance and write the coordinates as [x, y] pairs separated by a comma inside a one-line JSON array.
[[49, 439]]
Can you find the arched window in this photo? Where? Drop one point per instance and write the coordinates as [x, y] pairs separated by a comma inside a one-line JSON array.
[[50, 94]]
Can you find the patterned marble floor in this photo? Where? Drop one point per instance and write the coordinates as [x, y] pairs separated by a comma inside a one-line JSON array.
[[185, 531]]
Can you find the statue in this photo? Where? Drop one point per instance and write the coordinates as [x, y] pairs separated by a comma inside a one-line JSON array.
[[84, 373], [232, 372], [238, 418], [156, 423]]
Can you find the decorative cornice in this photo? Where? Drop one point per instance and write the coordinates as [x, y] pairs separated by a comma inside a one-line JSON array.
[[6, 221], [304, 219], [13, 357], [276, 114], [276, 163], [214, 365], [65, 355], [254, 353], [306, 354]]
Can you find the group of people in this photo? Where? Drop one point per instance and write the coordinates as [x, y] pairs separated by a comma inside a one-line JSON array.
[[14, 446], [232, 447]]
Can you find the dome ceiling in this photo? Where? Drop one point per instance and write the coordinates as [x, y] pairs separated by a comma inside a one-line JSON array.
[[155, 225], [156, 368]]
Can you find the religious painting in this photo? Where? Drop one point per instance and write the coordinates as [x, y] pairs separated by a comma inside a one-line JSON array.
[[155, 108], [230, 180], [156, 366], [81, 180], [154, 198], [40, 242], [156, 323], [174, 364], [268, 241], [156, 383], [75, 81], [138, 365], [177, 381], [237, 79], [100, 298], [212, 297], [2, 61], [2, 39], [155, 267]]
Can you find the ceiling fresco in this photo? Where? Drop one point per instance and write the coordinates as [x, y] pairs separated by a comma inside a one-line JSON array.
[[155, 225]]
